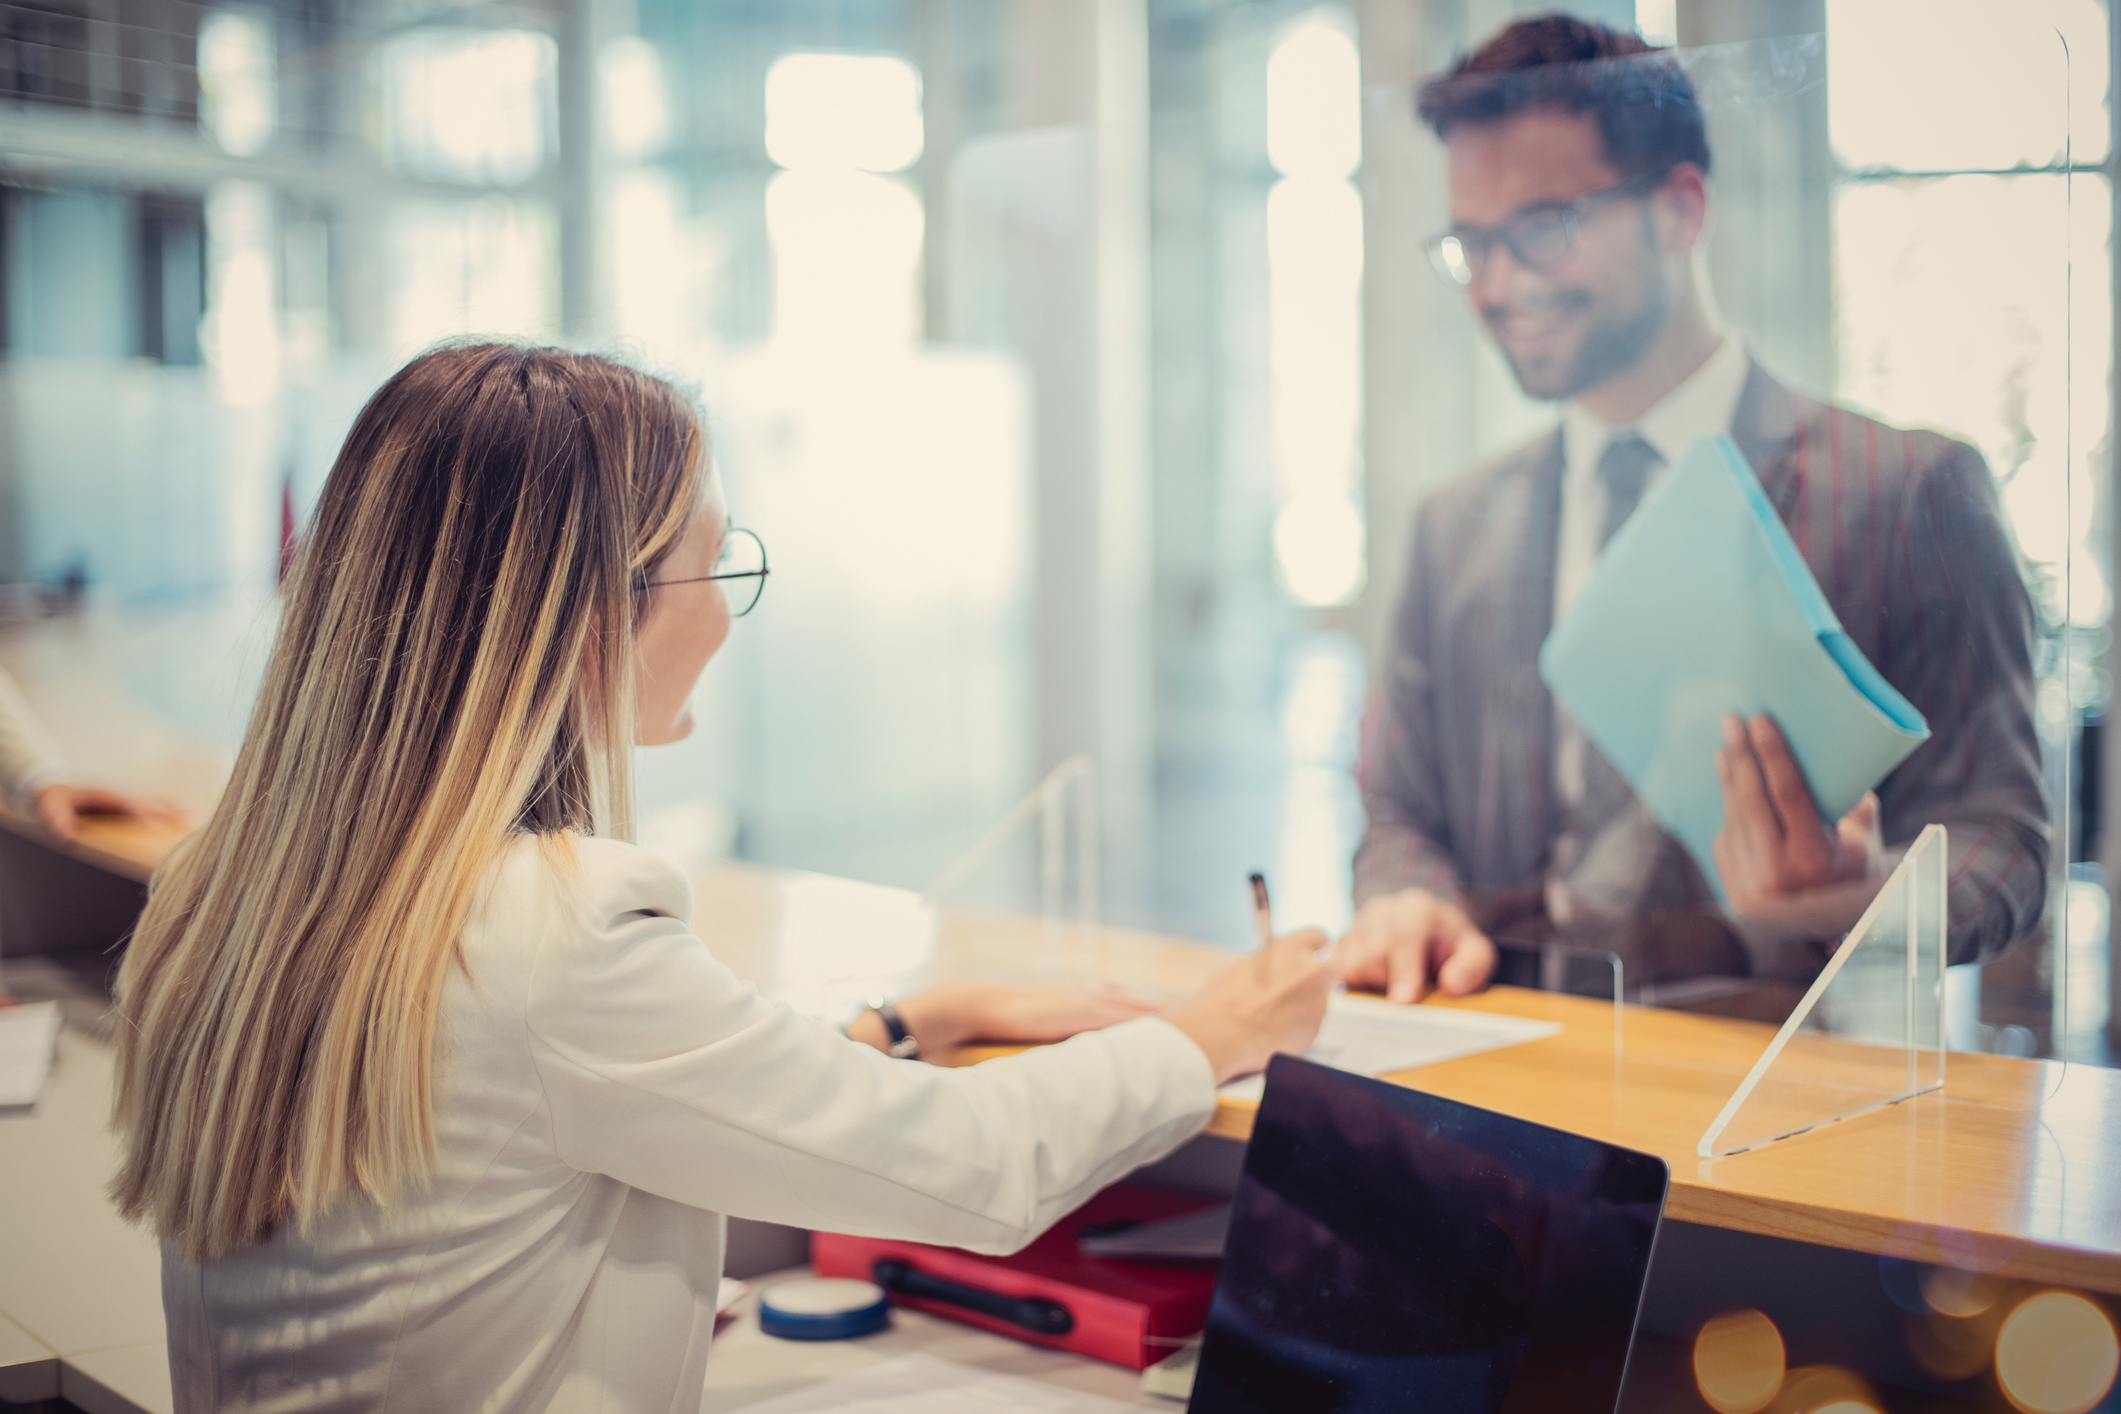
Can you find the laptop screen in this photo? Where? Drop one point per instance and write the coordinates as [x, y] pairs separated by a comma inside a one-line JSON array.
[[1390, 1250]]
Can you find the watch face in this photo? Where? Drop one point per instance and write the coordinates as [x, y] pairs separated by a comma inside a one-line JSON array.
[[905, 1048]]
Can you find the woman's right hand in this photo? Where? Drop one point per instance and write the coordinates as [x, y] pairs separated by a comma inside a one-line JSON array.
[[1271, 1001]]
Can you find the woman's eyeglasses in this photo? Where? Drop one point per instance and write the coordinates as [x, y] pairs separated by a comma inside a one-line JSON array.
[[743, 559], [1536, 237]]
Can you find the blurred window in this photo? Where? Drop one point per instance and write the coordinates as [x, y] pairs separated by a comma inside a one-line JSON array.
[[839, 111], [1973, 288], [1967, 85], [1314, 281], [474, 267], [636, 99], [846, 241], [468, 105], [239, 103], [1658, 20]]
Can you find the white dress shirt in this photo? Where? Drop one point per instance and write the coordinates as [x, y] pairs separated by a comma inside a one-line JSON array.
[[606, 1091], [28, 763], [1701, 406]]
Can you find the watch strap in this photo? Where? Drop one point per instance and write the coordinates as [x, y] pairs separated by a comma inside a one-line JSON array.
[[904, 1045]]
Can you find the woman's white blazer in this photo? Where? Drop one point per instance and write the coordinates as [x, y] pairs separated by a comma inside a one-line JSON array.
[[606, 1091]]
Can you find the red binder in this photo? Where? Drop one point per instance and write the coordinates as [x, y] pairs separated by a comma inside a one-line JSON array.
[[1130, 1313]]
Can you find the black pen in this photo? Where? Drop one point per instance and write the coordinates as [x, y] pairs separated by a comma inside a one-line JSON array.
[[1262, 911]]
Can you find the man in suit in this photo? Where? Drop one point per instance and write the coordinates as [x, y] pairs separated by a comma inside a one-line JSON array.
[[1579, 166]]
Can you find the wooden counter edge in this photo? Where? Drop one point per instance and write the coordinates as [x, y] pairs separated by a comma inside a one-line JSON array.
[[2029, 1260], [128, 849], [1710, 1206]]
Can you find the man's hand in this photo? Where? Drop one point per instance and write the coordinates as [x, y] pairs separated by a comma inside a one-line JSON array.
[[1406, 943], [1781, 863], [60, 807]]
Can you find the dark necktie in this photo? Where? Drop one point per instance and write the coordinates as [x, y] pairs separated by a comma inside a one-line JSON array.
[[1624, 469]]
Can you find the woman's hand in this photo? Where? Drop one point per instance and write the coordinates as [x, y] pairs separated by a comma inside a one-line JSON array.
[[1271, 1001], [953, 1014]]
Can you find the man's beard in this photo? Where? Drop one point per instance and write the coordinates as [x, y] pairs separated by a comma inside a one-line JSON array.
[[1610, 346]]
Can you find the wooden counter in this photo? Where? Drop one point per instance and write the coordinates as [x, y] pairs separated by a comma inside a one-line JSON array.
[[129, 849], [2022, 1157]]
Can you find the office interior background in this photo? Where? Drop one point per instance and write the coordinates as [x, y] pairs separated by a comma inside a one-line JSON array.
[[1076, 360]]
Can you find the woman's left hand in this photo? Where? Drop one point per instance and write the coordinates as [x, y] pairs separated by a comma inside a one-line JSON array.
[[60, 808], [952, 1014]]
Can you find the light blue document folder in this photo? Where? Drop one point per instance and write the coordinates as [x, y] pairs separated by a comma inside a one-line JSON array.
[[1702, 606]]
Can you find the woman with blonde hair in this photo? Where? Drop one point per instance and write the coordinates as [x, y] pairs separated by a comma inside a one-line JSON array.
[[430, 1094]]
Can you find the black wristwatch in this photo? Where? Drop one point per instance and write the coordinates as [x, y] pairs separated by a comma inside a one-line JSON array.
[[904, 1045]]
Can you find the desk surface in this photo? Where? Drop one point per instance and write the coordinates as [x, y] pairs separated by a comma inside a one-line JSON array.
[[2024, 1155], [128, 848], [98, 1339], [749, 1366]]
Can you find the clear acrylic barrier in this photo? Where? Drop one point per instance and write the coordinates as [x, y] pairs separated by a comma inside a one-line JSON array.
[[1594, 973], [1869, 1032], [1065, 851], [1939, 265]]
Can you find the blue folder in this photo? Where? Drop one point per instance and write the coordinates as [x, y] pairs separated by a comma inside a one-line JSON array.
[[1701, 606]]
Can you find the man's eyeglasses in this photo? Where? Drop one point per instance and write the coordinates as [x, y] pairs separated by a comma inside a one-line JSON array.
[[1535, 237], [743, 559]]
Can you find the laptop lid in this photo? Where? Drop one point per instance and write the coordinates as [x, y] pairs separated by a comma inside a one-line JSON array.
[[1392, 1250]]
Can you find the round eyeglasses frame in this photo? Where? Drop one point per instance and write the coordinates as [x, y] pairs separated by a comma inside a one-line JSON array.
[[1535, 237], [757, 576]]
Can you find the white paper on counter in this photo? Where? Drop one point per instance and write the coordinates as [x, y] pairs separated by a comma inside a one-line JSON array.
[[28, 1035], [1371, 1036], [925, 1384]]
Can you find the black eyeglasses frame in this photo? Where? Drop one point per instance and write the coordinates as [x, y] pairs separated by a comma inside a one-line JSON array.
[[1571, 214], [758, 574]]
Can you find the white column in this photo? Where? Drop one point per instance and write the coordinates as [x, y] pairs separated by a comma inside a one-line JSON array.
[[582, 29], [1055, 219], [1125, 727]]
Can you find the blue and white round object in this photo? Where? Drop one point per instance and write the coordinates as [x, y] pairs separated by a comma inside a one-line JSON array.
[[823, 1308]]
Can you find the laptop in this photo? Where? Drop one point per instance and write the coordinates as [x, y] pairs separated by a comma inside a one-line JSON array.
[[1392, 1250]]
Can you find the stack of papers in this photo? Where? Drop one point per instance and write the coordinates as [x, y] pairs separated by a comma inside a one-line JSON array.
[[1701, 606], [28, 1035], [1371, 1036], [923, 1384]]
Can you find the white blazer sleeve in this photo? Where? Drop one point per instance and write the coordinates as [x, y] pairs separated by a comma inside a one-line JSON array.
[[666, 1072], [27, 761]]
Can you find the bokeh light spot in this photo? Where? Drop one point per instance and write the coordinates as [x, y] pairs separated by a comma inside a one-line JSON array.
[[1951, 1291], [1738, 1362], [2056, 1354], [1952, 1349], [1825, 1389]]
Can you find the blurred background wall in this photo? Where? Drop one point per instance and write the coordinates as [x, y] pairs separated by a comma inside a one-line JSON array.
[[1075, 359]]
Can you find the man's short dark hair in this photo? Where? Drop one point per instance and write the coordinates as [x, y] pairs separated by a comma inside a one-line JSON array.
[[1646, 109]]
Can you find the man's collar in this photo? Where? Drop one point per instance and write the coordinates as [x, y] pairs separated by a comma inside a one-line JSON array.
[[1701, 406]]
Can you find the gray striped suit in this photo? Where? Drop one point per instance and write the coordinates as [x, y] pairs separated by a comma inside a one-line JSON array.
[[1903, 531]]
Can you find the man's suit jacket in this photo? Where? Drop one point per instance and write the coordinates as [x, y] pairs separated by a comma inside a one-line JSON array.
[[1902, 530]]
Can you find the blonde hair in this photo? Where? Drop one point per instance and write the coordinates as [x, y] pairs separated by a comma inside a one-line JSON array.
[[454, 667]]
